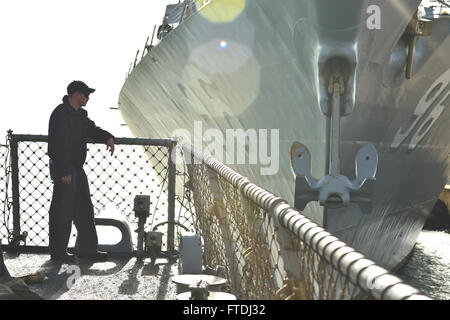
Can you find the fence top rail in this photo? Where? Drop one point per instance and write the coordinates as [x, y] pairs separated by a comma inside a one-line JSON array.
[[123, 141], [361, 271]]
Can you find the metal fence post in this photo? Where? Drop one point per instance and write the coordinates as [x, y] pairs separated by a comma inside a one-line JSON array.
[[15, 183], [218, 209], [171, 197]]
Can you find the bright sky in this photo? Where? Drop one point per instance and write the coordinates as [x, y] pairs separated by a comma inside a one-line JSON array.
[[46, 44]]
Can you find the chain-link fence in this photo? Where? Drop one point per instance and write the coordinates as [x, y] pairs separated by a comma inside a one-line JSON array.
[[138, 166], [271, 251]]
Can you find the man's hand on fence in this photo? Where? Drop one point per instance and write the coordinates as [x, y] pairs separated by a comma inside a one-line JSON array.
[[66, 179], [110, 145]]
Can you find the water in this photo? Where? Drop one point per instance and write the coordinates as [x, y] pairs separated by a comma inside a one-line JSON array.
[[428, 268]]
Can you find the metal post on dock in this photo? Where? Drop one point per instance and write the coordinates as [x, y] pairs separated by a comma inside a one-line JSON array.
[[15, 182], [171, 197], [218, 209]]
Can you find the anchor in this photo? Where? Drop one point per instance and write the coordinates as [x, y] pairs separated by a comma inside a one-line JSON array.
[[335, 190]]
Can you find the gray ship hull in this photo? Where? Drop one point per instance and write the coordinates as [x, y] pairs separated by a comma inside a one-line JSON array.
[[259, 67]]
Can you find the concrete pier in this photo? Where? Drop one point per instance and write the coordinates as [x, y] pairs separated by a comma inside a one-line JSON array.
[[118, 279]]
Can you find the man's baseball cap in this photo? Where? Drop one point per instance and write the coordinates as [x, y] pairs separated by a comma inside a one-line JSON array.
[[79, 86]]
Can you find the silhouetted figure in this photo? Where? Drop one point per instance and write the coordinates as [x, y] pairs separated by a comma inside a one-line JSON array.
[[69, 129], [164, 29]]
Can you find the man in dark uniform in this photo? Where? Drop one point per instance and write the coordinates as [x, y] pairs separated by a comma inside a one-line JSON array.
[[69, 127], [164, 29]]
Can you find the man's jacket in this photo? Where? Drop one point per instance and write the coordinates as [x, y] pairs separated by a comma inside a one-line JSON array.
[[68, 130]]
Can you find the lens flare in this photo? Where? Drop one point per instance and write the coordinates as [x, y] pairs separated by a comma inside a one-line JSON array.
[[223, 44]]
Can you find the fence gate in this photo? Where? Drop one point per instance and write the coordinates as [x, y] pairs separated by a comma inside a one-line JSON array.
[[138, 166]]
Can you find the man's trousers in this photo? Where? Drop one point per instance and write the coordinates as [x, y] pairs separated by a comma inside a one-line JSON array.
[[72, 203]]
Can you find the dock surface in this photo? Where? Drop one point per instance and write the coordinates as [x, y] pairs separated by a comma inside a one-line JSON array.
[[119, 278]]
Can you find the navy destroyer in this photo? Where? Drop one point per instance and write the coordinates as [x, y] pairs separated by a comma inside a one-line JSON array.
[[352, 98]]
